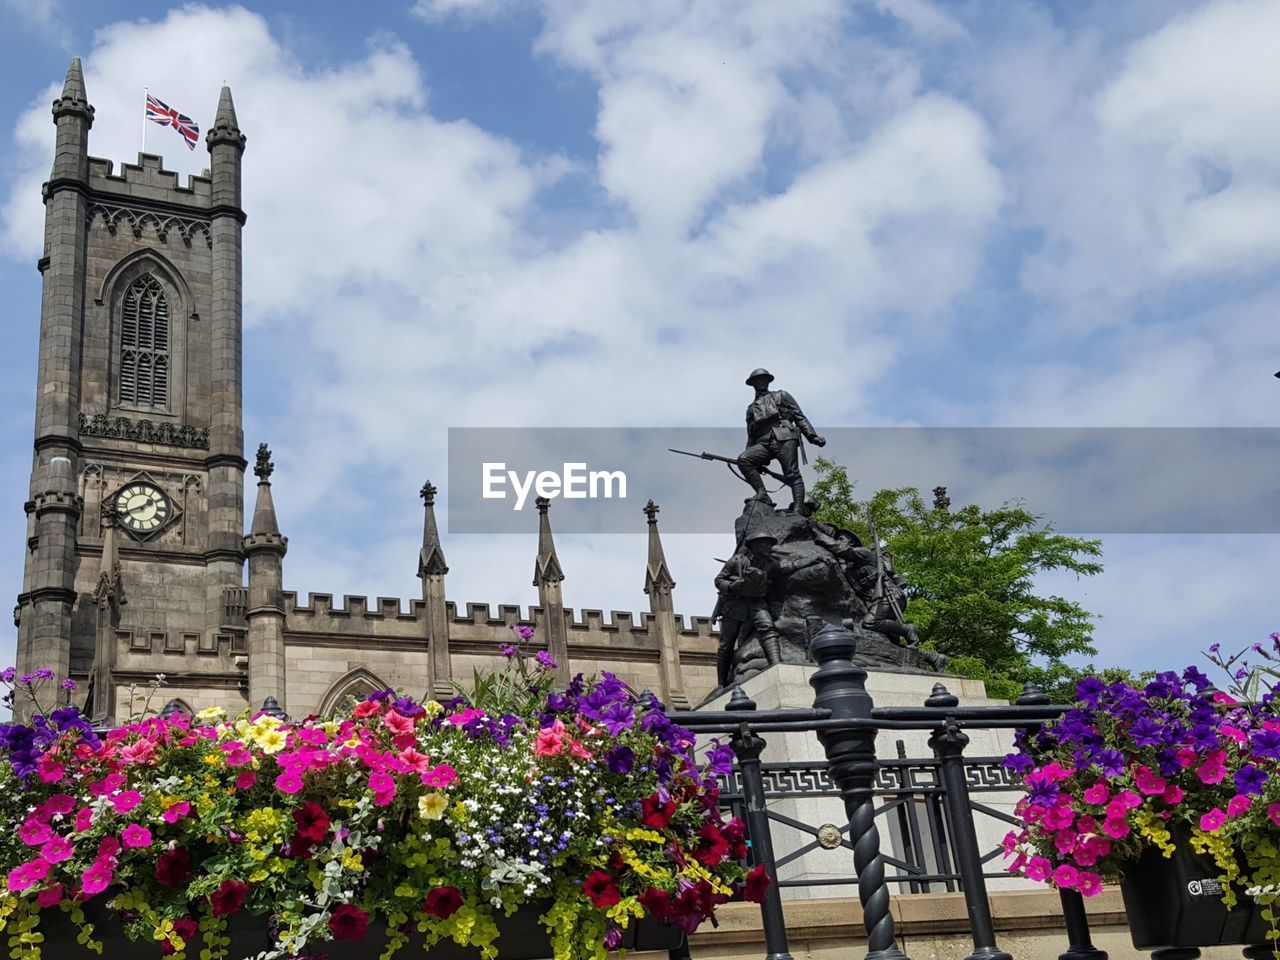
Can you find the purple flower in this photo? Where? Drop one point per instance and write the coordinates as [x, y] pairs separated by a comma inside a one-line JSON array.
[[69, 684], [620, 759], [545, 659], [617, 718], [523, 631], [1250, 780], [1111, 762], [1019, 762], [1089, 690], [1148, 732], [1266, 743], [558, 703], [720, 758], [510, 651], [8, 674], [1194, 677]]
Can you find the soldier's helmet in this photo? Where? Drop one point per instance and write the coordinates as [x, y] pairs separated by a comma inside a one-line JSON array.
[[761, 536], [759, 373]]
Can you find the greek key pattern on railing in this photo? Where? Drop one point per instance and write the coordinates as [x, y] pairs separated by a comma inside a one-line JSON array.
[[893, 777]]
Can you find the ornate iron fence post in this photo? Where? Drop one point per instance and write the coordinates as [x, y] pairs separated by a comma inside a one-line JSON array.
[[748, 746], [1079, 942], [948, 742], [841, 687]]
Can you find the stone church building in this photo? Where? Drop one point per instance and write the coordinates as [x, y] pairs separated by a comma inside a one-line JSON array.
[[137, 548]]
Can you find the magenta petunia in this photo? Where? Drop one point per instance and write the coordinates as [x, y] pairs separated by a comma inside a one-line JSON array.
[[175, 812], [1212, 820], [57, 850], [136, 836], [126, 800]]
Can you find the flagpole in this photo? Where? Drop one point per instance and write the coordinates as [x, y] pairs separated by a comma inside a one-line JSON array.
[[146, 96]]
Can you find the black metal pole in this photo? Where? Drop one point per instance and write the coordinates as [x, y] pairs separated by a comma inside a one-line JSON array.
[[1079, 940], [748, 746], [948, 743], [841, 686]]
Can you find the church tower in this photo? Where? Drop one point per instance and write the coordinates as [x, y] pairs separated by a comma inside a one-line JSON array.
[[139, 447]]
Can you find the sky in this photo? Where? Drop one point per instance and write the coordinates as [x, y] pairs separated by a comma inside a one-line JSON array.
[[586, 213]]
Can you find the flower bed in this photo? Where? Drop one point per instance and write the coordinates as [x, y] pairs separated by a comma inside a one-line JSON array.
[[1176, 767], [431, 821]]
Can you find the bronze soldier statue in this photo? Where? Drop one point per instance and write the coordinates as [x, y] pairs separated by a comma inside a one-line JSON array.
[[745, 583], [775, 425]]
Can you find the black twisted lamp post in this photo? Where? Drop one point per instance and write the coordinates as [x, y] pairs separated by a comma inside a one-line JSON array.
[[841, 687]]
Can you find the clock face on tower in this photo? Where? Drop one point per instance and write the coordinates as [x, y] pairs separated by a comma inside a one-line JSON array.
[[142, 508]]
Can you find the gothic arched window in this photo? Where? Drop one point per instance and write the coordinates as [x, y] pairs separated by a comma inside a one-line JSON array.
[[144, 344]]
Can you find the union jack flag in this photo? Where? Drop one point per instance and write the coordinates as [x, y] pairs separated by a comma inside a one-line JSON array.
[[160, 112]]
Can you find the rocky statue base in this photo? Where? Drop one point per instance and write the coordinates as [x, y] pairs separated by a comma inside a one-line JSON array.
[[830, 577]]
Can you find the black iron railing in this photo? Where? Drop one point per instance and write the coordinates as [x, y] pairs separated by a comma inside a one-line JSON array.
[[929, 805]]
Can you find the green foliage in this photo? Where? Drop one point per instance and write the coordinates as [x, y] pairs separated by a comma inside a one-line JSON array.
[[971, 581]]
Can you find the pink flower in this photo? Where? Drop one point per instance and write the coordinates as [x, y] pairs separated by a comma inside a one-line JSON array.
[[550, 740], [246, 780], [49, 769], [578, 750], [1065, 841], [1128, 800], [1273, 811], [410, 759], [1214, 767], [1039, 869], [1172, 795], [471, 713], [1089, 884], [238, 756], [1149, 782], [289, 782], [34, 833], [97, 878], [1235, 733], [1238, 804], [176, 812], [19, 880], [1212, 820], [1116, 829], [142, 752], [126, 800], [1087, 824], [383, 786], [1065, 876], [50, 896], [137, 836], [108, 848], [84, 820], [59, 803], [441, 776], [113, 781], [397, 722], [57, 850], [1098, 793]]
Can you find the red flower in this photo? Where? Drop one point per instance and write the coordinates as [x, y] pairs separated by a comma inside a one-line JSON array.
[[711, 848], [654, 813], [172, 867], [300, 847], [185, 928], [312, 821], [657, 903], [758, 881], [735, 834], [229, 897], [600, 889], [348, 922], [442, 902], [369, 708]]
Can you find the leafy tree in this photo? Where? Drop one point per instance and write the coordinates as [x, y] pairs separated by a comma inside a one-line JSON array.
[[971, 581]]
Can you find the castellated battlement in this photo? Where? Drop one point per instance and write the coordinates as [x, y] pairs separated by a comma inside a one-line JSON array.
[[390, 617], [147, 180]]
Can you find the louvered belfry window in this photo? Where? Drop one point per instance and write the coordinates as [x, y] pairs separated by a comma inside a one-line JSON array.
[[144, 344]]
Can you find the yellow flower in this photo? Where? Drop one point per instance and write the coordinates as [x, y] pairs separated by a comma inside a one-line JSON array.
[[432, 708], [213, 759], [211, 713], [272, 741], [432, 806]]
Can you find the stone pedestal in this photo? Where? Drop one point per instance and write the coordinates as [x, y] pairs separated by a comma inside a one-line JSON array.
[[799, 856]]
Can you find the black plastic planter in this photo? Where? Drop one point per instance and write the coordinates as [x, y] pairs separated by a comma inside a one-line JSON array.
[[1176, 902], [522, 938]]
